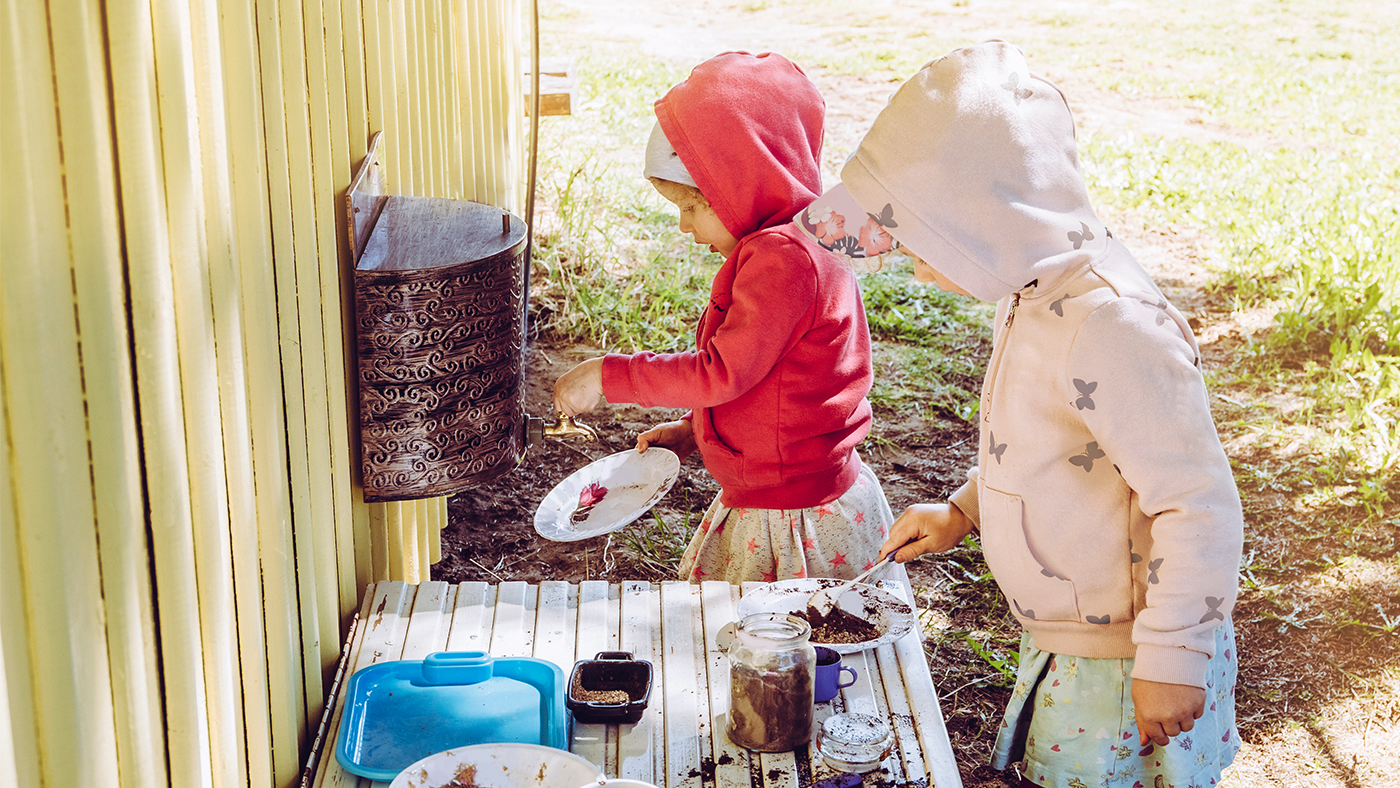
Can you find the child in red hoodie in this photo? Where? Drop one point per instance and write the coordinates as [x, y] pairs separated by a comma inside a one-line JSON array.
[[777, 384]]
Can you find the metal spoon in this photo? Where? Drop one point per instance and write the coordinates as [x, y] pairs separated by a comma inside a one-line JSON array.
[[824, 600]]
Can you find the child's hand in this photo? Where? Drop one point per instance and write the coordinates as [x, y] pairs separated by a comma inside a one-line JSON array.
[[1164, 710], [580, 389], [932, 527], [678, 436]]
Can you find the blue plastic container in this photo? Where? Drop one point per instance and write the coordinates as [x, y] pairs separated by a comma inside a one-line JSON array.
[[399, 712]]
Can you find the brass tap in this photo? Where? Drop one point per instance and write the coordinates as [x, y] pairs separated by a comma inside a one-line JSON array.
[[566, 427]]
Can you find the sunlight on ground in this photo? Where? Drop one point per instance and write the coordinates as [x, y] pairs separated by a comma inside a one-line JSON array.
[[1353, 741]]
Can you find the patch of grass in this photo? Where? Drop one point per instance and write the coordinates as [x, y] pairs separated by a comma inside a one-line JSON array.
[[931, 346], [1307, 235], [610, 267]]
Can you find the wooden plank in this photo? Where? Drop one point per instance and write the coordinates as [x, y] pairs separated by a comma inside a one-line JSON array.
[[437, 520], [469, 46], [356, 134], [731, 761], [167, 451], [326, 771], [642, 746], [379, 540], [280, 89], [394, 535], [429, 114], [331, 164], [514, 632], [558, 95], [556, 624], [599, 614], [80, 90], [54, 628], [378, 637], [923, 701], [473, 616], [270, 528], [452, 102], [901, 716], [424, 534], [687, 704], [409, 170], [431, 619]]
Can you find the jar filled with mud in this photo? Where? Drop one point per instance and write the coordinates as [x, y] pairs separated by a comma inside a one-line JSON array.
[[772, 671]]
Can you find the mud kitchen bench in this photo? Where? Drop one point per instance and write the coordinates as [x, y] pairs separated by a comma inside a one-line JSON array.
[[679, 740]]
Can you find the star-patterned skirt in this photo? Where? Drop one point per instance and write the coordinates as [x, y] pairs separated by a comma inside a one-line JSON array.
[[1070, 722], [837, 539]]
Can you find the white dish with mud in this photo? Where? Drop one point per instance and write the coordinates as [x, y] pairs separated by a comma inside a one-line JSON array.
[[499, 766], [891, 616], [606, 495]]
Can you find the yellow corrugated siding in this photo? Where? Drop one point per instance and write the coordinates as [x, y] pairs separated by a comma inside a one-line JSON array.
[[182, 542]]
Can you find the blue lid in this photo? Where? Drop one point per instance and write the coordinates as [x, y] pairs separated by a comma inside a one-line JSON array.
[[397, 713]]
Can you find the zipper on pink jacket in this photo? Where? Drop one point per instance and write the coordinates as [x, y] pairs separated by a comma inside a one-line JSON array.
[[994, 365]]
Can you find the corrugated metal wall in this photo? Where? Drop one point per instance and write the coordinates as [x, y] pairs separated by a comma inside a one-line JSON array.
[[181, 539]]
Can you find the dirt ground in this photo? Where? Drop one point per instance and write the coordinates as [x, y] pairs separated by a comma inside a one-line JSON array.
[[491, 534], [1306, 723]]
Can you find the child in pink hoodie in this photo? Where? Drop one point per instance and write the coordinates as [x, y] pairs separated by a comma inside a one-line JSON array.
[[777, 384], [1102, 498]]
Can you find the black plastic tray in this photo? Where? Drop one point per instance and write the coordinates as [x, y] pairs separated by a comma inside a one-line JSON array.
[[609, 671]]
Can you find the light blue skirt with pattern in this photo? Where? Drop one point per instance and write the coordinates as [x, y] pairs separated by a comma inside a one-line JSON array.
[[1070, 723]]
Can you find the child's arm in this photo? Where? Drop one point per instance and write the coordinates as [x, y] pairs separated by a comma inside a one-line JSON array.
[[580, 389], [1164, 710], [932, 527]]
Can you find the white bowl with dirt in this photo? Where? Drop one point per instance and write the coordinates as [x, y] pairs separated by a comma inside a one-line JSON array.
[[891, 616], [499, 766]]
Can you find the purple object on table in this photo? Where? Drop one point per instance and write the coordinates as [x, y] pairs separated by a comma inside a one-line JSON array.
[[829, 670]]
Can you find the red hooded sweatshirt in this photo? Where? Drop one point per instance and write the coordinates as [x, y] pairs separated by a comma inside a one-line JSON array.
[[778, 380]]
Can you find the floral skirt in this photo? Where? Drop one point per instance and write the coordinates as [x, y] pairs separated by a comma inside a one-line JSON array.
[[838, 539], [1070, 720]]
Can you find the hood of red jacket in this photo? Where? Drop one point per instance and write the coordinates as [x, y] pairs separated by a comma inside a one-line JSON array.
[[748, 129]]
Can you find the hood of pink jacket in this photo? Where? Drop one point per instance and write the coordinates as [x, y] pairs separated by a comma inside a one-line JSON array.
[[748, 129], [974, 159]]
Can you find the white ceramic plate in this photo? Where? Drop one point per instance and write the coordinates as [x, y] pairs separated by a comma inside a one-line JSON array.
[[607, 494], [499, 766], [888, 613]]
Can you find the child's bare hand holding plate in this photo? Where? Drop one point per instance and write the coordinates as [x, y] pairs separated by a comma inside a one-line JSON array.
[[678, 436]]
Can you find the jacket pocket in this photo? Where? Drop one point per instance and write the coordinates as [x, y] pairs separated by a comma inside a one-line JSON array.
[[1033, 591]]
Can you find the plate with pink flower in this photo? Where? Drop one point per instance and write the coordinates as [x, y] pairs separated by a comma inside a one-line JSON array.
[[606, 495]]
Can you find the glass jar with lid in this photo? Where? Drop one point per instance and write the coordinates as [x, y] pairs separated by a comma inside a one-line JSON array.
[[854, 742], [772, 671]]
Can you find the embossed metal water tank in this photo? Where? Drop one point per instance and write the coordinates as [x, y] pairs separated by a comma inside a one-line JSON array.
[[440, 334]]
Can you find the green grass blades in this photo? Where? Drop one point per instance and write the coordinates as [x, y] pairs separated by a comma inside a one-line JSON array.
[[1306, 236]]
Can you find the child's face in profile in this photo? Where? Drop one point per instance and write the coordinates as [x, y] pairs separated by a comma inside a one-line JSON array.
[[924, 272], [699, 219]]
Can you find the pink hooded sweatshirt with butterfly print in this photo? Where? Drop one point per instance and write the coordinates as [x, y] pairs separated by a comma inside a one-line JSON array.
[[1105, 504]]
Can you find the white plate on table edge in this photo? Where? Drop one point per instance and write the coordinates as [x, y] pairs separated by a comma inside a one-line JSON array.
[[889, 614], [505, 765], [632, 483]]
